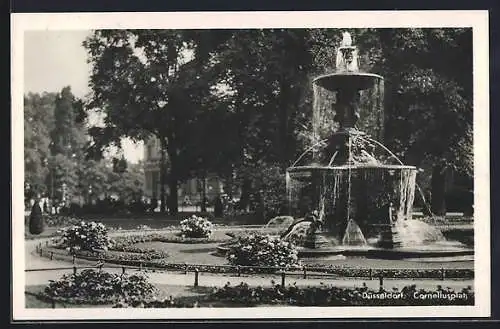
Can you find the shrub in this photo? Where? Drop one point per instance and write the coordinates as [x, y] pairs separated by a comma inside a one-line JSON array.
[[55, 220], [196, 227], [263, 250], [99, 287], [36, 224], [85, 236], [124, 257], [121, 243], [272, 187], [244, 295], [335, 296]]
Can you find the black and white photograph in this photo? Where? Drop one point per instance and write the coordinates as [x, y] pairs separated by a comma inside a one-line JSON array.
[[250, 165]]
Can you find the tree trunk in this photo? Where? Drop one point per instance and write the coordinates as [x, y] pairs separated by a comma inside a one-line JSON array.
[[204, 193], [173, 202], [245, 193], [173, 205], [163, 144], [438, 188]]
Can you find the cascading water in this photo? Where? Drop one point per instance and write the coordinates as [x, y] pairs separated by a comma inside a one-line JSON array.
[[415, 233], [315, 117], [353, 235]]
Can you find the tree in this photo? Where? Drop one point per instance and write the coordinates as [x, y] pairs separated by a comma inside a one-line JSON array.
[[38, 122], [148, 83], [68, 139], [267, 74], [429, 73], [63, 176], [68, 134], [119, 165], [128, 185], [94, 178], [53, 140], [36, 224]]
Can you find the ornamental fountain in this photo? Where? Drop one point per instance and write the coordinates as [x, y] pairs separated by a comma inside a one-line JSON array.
[[352, 192]]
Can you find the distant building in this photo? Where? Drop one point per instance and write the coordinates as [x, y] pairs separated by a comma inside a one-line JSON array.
[[188, 192]]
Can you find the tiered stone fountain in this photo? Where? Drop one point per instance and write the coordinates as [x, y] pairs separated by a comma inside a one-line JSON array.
[[351, 197]]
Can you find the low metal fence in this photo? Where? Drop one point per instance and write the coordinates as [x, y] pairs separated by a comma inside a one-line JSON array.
[[306, 271]]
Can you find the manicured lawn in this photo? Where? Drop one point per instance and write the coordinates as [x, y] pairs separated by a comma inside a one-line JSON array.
[[47, 232], [186, 253]]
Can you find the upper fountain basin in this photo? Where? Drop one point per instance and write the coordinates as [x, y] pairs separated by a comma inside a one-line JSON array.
[[350, 167], [356, 80]]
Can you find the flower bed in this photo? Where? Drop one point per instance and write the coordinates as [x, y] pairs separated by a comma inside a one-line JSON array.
[[196, 227], [84, 236], [263, 250], [237, 234], [61, 220], [243, 295], [119, 257], [123, 242], [96, 287], [334, 296], [57, 220], [393, 273]]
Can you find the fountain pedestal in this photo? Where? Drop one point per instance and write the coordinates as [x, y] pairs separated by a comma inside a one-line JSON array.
[[389, 237], [316, 240]]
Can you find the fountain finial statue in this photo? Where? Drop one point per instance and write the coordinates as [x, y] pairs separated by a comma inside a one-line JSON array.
[[346, 39], [347, 55]]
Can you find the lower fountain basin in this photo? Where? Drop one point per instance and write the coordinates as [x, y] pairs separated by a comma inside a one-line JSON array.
[[430, 251], [451, 250]]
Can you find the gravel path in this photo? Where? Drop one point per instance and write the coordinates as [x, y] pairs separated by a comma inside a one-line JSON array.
[[210, 280]]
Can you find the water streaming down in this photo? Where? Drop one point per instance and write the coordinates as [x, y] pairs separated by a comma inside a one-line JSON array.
[[280, 222], [297, 232], [353, 235], [416, 233], [315, 117], [361, 190]]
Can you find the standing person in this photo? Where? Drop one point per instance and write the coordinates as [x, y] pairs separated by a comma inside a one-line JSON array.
[[45, 206], [41, 202], [218, 207], [36, 224]]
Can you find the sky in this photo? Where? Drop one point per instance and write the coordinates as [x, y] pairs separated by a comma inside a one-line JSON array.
[[55, 59]]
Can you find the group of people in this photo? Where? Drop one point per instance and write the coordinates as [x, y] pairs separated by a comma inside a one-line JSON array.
[[46, 204]]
